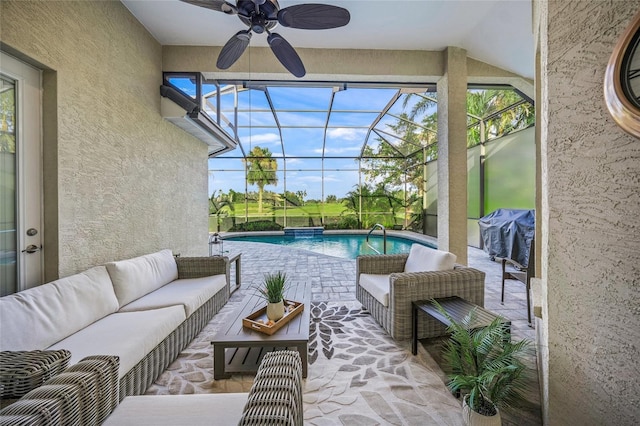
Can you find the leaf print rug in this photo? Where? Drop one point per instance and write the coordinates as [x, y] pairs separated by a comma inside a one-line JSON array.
[[358, 375]]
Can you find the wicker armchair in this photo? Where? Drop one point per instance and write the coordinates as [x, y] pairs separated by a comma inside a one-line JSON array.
[[276, 395], [84, 394], [23, 371], [404, 288]]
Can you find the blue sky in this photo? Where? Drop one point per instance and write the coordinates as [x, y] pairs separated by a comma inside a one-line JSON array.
[[302, 114]]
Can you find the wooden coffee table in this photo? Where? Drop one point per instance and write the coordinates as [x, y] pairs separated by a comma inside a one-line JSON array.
[[237, 349]]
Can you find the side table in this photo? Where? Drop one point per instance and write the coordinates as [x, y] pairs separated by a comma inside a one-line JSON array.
[[456, 307], [237, 259]]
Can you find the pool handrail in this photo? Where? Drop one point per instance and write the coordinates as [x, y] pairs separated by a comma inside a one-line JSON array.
[[384, 238]]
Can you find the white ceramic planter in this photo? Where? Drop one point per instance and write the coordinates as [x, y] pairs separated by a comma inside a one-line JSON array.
[[471, 418], [275, 311]]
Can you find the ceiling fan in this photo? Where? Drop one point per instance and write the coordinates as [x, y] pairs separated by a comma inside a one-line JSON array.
[[262, 16]]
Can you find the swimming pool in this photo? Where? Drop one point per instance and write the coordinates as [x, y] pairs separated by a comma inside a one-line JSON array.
[[347, 246]]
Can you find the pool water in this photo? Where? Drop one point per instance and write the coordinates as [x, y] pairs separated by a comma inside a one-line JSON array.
[[347, 246]]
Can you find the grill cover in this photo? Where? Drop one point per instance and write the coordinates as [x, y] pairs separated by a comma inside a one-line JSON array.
[[507, 233]]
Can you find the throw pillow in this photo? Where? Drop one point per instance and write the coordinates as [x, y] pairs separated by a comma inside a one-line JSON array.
[[422, 258]]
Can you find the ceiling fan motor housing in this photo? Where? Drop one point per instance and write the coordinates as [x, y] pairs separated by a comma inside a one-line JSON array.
[[265, 19]]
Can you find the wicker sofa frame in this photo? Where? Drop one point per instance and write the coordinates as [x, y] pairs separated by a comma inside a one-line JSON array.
[[462, 281], [142, 375], [22, 371]]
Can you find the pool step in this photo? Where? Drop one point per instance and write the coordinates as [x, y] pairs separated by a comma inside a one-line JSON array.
[[308, 232]]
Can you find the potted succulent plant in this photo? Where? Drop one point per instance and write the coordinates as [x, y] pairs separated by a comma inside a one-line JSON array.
[[486, 367], [273, 289]]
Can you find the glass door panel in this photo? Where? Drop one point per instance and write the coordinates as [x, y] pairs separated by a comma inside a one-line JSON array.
[[8, 222], [20, 176]]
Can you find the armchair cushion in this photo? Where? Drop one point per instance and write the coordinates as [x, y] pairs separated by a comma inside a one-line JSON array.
[[422, 258], [377, 285]]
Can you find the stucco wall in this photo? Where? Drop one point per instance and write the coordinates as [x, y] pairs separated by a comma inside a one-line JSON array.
[[591, 202], [129, 182]]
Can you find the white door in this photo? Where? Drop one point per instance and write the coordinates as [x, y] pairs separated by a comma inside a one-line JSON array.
[[21, 256]]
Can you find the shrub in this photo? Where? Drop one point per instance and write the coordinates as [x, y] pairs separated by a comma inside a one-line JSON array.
[[262, 225]]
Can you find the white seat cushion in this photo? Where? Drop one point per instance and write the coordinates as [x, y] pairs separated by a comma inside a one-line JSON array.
[[173, 410], [38, 317], [129, 335], [422, 258], [191, 293], [133, 278], [377, 286]]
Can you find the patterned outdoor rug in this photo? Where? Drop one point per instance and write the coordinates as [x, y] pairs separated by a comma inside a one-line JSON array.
[[357, 374]]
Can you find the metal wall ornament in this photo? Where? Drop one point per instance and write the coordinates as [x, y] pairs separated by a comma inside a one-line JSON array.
[[622, 80]]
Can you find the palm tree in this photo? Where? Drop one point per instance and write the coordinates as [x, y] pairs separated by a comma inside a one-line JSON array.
[[375, 200], [221, 204], [261, 170]]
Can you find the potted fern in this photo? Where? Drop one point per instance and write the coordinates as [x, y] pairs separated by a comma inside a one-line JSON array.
[[274, 286], [486, 366]]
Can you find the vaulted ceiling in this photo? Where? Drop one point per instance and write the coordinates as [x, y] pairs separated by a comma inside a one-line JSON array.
[[498, 32]]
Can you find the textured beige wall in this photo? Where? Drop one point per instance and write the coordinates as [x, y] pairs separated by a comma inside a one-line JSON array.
[[591, 222], [452, 155], [128, 182], [337, 65]]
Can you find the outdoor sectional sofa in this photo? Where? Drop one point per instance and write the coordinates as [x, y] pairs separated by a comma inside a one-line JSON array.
[[143, 310]]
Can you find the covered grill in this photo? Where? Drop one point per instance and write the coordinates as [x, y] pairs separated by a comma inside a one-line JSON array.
[[507, 233]]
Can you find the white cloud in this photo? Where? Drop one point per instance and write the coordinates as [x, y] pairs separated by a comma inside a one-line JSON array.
[[266, 138], [345, 133], [346, 150]]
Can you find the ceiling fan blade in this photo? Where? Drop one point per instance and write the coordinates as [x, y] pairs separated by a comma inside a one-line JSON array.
[[313, 16], [217, 5], [286, 54], [233, 49]]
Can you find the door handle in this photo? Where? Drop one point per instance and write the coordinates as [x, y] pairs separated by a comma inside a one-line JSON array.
[[32, 248]]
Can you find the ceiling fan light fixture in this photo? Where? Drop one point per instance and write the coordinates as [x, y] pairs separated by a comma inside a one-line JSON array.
[[228, 9]]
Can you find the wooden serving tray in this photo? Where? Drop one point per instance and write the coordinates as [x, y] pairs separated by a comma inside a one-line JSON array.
[[252, 323]]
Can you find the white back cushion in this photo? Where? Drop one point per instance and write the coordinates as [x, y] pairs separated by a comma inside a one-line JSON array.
[[133, 278], [422, 258], [39, 317]]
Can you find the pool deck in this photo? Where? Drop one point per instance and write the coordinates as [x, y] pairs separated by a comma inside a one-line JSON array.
[[333, 279]]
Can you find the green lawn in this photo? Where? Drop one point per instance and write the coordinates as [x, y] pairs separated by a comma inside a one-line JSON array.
[[310, 209], [297, 216]]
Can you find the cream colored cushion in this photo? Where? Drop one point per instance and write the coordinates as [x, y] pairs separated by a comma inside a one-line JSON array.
[[129, 335], [191, 293], [133, 278], [39, 317], [174, 410], [422, 258], [377, 286]]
